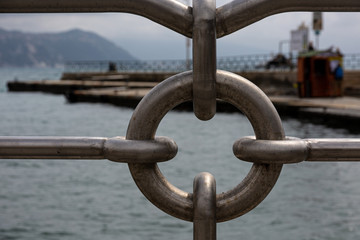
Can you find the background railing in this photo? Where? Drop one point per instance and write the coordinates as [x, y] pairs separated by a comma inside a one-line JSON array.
[[255, 62], [352, 61]]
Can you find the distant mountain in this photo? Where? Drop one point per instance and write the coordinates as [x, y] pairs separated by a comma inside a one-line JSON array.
[[51, 49]]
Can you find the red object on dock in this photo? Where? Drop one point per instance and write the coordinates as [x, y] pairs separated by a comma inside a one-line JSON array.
[[317, 74]]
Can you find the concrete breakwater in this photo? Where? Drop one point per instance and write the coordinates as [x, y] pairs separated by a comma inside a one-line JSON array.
[[127, 89], [272, 83]]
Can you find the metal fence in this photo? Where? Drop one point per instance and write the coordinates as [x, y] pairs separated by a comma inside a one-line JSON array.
[[142, 150], [128, 66], [234, 64], [241, 63], [352, 61]]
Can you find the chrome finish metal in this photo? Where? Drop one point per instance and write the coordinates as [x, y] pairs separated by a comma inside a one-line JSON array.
[[141, 150], [177, 16], [231, 88], [270, 151], [337, 149], [115, 149], [238, 14], [295, 150], [134, 151], [169, 13], [52, 147], [204, 59], [204, 207]]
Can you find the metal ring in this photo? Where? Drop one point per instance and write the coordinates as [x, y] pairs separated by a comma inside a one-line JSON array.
[[231, 88]]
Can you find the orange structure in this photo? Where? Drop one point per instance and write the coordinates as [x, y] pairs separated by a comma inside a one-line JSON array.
[[317, 74]]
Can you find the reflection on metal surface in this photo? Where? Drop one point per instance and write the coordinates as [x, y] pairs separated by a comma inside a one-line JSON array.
[[233, 89], [293, 150], [204, 207], [173, 14], [115, 149], [170, 13], [204, 59]]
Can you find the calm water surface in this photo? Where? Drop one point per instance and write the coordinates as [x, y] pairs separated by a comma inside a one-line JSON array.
[[66, 199]]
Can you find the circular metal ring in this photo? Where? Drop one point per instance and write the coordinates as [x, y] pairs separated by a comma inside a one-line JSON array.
[[231, 88]]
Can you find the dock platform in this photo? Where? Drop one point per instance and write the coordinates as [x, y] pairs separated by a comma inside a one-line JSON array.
[[340, 106], [66, 86], [119, 96], [127, 90]]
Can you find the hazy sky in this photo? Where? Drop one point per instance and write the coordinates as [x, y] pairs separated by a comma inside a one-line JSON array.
[[145, 39]]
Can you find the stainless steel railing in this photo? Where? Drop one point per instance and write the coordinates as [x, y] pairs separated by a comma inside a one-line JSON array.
[[268, 150]]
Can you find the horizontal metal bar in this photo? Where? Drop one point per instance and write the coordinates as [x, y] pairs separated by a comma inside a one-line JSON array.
[[294, 150], [238, 14], [178, 16], [52, 147], [338, 150], [140, 151], [170, 13], [116, 149]]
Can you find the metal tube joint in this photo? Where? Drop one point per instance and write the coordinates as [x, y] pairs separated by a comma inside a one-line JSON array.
[[117, 149], [294, 150]]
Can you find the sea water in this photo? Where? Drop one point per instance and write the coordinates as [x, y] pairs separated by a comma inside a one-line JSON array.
[[83, 199]]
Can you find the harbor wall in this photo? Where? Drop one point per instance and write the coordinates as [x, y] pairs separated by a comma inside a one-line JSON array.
[[271, 82]]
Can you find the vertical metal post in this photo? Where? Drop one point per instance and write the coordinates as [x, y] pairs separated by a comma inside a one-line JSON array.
[[204, 200], [204, 59]]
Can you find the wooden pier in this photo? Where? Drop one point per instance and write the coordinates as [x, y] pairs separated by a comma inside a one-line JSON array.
[[66, 86], [128, 89], [118, 96], [340, 106]]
